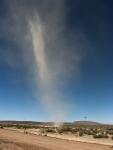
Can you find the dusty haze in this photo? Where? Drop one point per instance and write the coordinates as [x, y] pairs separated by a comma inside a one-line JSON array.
[[50, 53]]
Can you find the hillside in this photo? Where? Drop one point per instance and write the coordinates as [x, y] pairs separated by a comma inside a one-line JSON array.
[[86, 123]]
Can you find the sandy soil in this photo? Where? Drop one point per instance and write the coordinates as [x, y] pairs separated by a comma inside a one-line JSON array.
[[86, 138], [10, 145], [14, 140]]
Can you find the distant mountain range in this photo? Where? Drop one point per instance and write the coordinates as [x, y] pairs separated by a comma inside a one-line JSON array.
[[13, 122], [86, 123], [7, 122]]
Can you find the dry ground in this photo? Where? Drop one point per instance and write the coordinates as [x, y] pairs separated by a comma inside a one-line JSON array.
[[10, 145], [14, 140]]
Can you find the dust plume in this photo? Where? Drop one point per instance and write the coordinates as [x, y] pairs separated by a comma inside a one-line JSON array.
[[51, 53], [46, 79]]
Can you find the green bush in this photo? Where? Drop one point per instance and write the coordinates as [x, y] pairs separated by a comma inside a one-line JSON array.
[[81, 133], [50, 130], [112, 137], [100, 136], [1, 127]]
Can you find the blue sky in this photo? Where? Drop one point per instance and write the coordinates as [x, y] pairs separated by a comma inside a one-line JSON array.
[[90, 93]]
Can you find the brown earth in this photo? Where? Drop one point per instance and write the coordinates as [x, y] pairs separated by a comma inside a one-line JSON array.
[[14, 140]]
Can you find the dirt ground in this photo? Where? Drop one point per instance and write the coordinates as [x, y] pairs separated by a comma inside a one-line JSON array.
[[10, 145], [14, 140]]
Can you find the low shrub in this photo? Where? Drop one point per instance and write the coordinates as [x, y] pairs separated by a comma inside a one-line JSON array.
[[112, 137], [100, 136], [50, 130], [81, 133], [1, 127]]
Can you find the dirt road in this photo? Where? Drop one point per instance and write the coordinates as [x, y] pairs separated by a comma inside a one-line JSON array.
[[34, 142]]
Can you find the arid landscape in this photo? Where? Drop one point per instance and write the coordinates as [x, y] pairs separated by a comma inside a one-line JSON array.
[[19, 136], [56, 74]]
